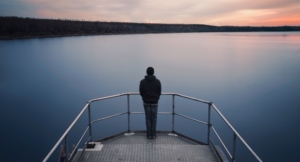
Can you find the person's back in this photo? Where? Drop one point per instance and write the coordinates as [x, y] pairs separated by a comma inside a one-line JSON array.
[[150, 90]]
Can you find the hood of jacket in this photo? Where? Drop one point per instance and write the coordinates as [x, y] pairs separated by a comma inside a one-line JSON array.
[[150, 78]]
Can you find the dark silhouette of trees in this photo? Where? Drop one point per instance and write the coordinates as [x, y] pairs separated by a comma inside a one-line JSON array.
[[16, 27]]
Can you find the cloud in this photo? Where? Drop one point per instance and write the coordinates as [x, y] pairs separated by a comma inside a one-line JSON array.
[[250, 13], [214, 12], [104, 10]]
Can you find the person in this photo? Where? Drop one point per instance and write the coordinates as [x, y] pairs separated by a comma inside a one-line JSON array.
[[150, 91]]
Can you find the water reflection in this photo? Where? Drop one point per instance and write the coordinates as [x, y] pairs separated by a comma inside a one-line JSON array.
[[252, 77]]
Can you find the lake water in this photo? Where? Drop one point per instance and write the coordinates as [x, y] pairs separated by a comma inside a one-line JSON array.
[[253, 78]]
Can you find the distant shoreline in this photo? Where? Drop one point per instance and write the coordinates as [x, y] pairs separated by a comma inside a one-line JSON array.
[[74, 35], [26, 28]]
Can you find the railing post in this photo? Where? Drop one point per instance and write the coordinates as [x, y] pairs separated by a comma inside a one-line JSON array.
[[90, 124], [208, 123], [173, 114], [234, 147], [128, 108], [66, 147]]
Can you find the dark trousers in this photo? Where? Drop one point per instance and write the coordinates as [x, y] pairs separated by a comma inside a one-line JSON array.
[[151, 118]]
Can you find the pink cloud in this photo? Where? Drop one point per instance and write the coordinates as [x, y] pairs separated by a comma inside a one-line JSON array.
[[217, 12]]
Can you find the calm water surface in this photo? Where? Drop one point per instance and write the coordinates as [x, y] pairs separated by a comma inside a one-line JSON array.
[[253, 78]]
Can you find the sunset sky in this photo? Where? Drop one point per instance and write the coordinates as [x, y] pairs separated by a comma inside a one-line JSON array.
[[211, 12]]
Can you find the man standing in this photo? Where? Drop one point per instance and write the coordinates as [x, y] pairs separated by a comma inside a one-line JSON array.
[[150, 90]]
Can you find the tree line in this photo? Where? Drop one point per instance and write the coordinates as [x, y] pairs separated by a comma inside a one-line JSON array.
[[17, 27]]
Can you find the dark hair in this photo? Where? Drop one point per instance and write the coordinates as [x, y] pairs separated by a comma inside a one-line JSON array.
[[150, 71]]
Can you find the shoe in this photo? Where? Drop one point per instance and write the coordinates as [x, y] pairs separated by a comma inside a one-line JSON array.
[[149, 137], [153, 137]]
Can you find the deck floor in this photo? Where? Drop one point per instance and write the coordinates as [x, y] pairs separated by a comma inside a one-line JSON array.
[[137, 148]]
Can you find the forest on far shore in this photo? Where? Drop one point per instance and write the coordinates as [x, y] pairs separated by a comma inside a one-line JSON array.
[[17, 27]]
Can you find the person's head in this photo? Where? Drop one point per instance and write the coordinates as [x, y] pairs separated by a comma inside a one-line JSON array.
[[150, 71]]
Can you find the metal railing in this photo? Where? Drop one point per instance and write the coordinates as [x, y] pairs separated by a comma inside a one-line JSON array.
[[173, 113]]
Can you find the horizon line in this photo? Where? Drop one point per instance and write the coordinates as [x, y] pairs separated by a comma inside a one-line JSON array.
[[66, 19]]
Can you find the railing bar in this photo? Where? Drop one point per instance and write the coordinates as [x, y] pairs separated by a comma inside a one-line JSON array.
[[221, 141], [128, 111], [167, 113], [109, 117], [123, 94], [213, 144], [79, 142], [234, 148], [66, 148], [191, 118], [90, 124], [66, 132], [195, 99], [237, 134], [80, 156], [173, 113], [107, 97], [137, 93], [168, 93], [137, 112], [157, 113], [208, 121]]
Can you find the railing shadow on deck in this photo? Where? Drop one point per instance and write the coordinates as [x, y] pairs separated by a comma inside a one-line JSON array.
[[210, 128]]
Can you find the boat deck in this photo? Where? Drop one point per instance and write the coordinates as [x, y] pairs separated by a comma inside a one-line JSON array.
[[135, 147]]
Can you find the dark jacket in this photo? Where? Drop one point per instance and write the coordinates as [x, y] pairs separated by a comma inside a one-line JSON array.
[[150, 89]]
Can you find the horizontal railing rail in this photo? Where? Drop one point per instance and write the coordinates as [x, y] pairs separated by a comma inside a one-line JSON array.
[[128, 112], [191, 118], [108, 117]]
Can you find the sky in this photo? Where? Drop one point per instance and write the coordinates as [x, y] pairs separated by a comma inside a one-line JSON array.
[[210, 12]]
